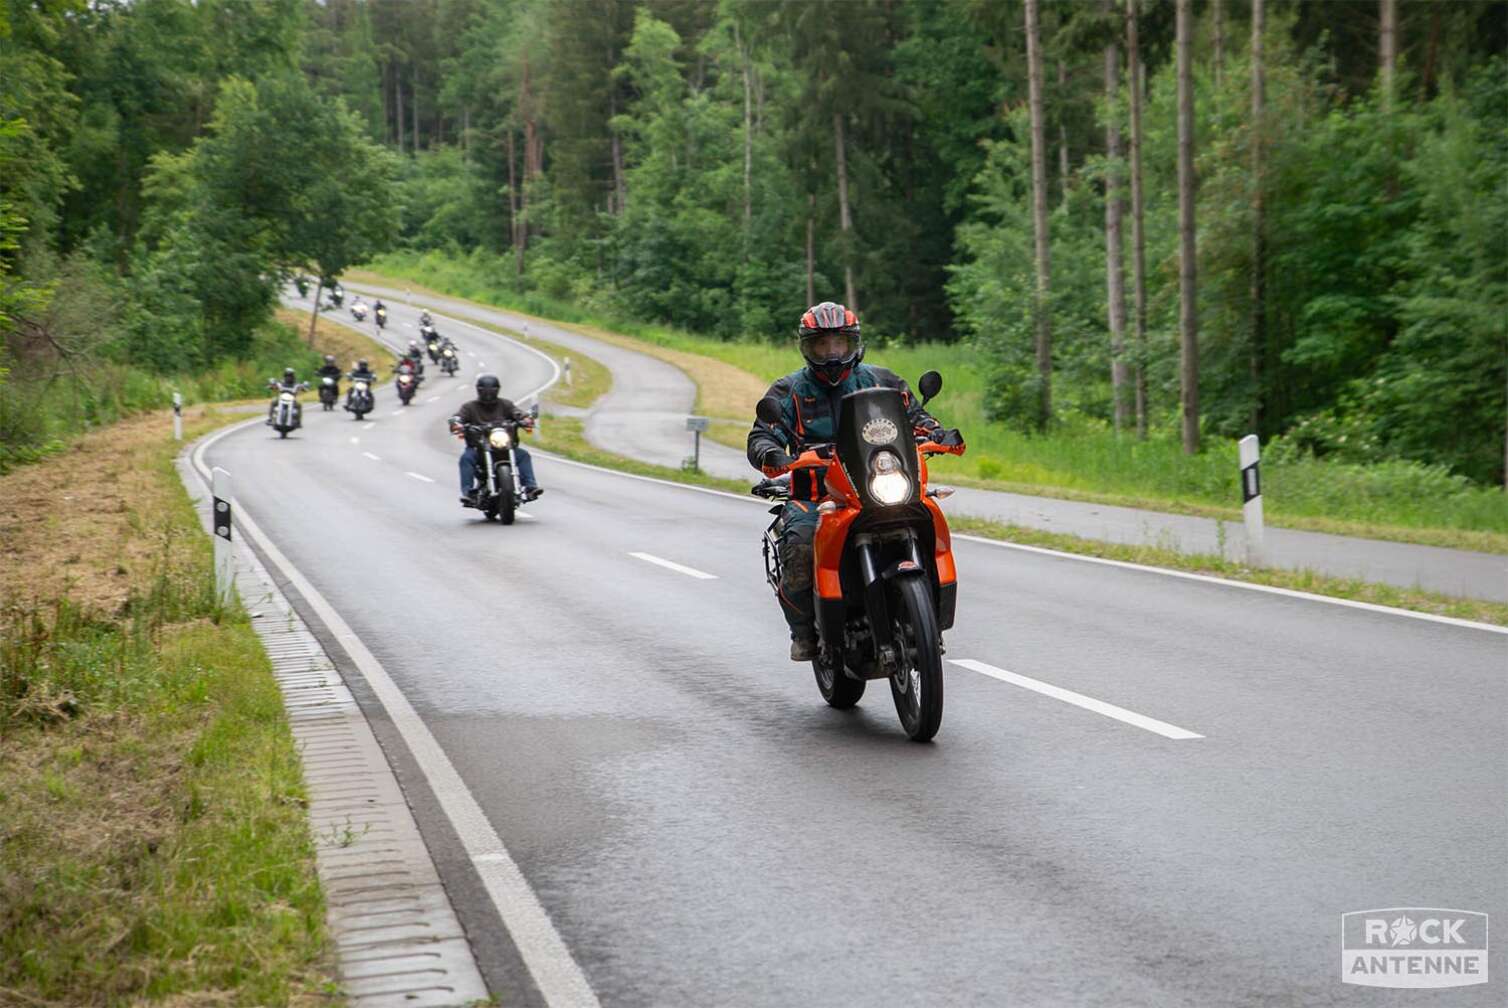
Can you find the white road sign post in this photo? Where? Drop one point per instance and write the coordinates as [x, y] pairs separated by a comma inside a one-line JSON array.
[[224, 568], [1251, 496], [565, 370], [177, 416]]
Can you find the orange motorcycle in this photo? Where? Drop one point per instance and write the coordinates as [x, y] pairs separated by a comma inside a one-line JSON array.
[[882, 556]]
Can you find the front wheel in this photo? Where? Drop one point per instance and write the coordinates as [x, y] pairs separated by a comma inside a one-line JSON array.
[[505, 499], [836, 688], [920, 702]]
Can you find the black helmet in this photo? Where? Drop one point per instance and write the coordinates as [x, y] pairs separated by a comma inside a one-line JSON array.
[[288, 375], [361, 365], [488, 388], [830, 319]]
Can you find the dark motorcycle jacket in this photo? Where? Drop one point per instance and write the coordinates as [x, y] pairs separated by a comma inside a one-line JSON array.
[[809, 411], [369, 376], [330, 371], [478, 412]]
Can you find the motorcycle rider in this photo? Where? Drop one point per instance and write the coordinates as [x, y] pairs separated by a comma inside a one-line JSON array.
[[414, 355], [330, 370], [424, 319], [833, 346], [361, 373], [289, 383], [379, 311], [489, 407]]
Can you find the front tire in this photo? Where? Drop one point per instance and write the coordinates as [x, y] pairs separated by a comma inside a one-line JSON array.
[[505, 498], [837, 688], [920, 706]]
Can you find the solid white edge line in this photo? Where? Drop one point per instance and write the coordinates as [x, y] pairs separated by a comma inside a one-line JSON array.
[[672, 565], [1127, 565], [1110, 710], [418, 476], [544, 952], [374, 458]]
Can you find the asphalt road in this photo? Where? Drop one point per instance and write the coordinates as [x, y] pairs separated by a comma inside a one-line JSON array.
[[703, 830]]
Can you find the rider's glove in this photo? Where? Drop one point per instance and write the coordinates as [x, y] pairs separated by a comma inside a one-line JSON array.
[[951, 438], [775, 462]]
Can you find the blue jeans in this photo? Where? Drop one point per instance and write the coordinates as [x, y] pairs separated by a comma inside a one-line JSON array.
[[521, 461]]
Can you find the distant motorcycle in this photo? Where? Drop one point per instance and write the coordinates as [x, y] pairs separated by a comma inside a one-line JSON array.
[[433, 348], [499, 494], [381, 316], [329, 391], [337, 297], [449, 362], [407, 383], [287, 413], [359, 398], [359, 311]]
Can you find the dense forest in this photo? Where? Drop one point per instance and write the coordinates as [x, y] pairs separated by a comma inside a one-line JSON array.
[[1165, 217]]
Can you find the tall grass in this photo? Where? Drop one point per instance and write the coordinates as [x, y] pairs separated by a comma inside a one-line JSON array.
[[1080, 456]]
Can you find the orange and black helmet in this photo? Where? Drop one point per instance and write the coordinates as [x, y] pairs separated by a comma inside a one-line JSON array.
[[830, 319]]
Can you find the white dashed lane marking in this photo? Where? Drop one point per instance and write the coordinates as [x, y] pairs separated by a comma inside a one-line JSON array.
[[374, 458]]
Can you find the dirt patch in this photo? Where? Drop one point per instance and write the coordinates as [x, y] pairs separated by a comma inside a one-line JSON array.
[[90, 522]]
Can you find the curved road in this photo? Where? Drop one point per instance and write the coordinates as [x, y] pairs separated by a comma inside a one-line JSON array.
[[702, 830]]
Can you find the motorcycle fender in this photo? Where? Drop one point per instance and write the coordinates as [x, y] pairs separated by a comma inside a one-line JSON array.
[[827, 552], [942, 544]]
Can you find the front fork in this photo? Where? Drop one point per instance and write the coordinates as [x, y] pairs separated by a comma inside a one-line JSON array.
[[875, 580]]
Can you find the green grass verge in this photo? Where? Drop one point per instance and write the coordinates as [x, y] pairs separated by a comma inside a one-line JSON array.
[[1081, 460], [153, 833], [563, 436]]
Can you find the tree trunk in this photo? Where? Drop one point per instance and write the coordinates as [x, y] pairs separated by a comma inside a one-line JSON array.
[[314, 312], [845, 225], [398, 105], [748, 142], [1258, 217], [414, 119], [513, 221], [1115, 282], [811, 261], [1043, 289], [466, 132], [1188, 317], [1138, 232], [1387, 47], [1219, 16], [620, 182], [1063, 130]]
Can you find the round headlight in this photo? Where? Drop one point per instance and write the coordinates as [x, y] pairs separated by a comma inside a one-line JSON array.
[[361, 386], [449, 353], [890, 488], [499, 439], [286, 396]]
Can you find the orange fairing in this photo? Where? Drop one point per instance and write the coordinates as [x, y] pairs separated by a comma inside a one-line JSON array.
[[943, 548], [827, 550]]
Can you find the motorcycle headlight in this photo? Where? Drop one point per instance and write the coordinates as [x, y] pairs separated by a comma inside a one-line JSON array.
[[328, 381], [888, 482], [499, 439], [404, 379], [286, 396], [449, 353], [361, 386], [431, 346]]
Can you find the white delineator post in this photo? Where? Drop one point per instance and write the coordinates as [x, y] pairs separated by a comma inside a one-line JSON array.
[[565, 370], [1251, 495], [177, 417], [221, 512]]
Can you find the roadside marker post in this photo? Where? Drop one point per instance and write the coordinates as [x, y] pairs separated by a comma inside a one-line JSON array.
[[565, 370], [1251, 495], [696, 424], [221, 510], [177, 416]]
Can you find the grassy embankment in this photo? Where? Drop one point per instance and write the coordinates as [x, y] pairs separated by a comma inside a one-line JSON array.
[[1389, 501], [154, 846]]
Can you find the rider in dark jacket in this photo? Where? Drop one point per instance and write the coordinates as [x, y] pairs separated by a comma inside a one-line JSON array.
[[489, 407], [331, 370], [830, 340]]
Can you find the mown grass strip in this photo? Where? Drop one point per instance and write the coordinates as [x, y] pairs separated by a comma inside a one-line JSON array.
[[154, 843], [563, 435]]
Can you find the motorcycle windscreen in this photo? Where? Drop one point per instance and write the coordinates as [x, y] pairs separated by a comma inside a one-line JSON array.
[[871, 421]]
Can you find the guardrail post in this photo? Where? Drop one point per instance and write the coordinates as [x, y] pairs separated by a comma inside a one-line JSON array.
[[1251, 495], [224, 566], [177, 416]]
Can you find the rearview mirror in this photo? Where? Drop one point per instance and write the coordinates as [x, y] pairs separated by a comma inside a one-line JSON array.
[[768, 410], [534, 410], [929, 386]]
